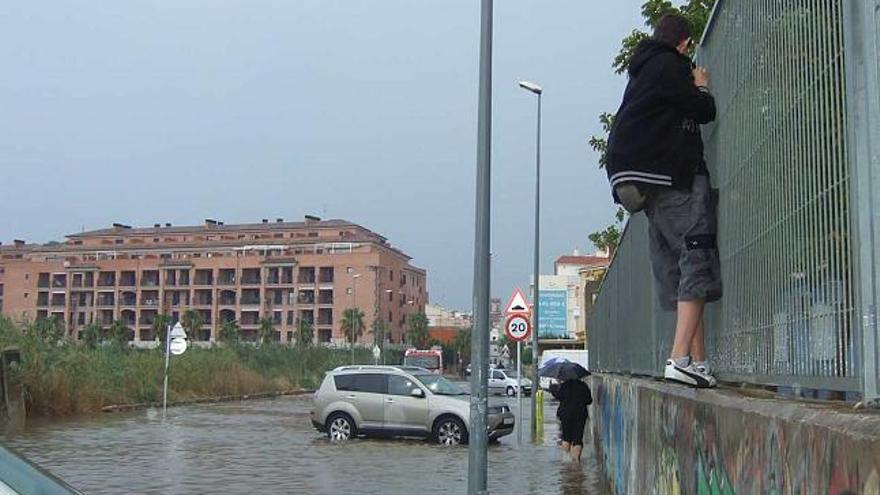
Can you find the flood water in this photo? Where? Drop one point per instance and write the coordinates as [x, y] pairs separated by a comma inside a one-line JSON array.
[[269, 446]]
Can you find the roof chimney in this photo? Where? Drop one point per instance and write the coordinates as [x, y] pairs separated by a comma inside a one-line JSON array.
[[18, 243], [265, 220], [279, 220], [310, 219], [576, 252]]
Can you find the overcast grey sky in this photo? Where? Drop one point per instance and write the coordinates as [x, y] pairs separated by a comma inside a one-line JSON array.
[[175, 111]]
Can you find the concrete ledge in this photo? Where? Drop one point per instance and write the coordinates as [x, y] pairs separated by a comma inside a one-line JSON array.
[[660, 438]]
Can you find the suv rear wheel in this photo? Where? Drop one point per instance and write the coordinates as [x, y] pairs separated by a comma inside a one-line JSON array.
[[340, 427], [450, 431]]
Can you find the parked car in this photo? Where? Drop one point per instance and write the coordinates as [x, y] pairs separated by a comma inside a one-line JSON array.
[[504, 381], [398, 401]]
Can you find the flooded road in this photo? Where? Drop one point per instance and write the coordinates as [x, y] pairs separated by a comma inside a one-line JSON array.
[[269, 446]]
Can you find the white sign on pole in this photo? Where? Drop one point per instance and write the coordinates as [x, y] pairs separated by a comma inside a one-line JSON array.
[[178, 346], [376, 354], [518, 327], [518, 304], [177, 332]]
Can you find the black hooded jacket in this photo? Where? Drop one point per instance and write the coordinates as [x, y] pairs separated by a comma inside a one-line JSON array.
[[656, 138]]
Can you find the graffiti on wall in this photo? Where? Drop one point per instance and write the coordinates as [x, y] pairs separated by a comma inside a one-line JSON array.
[[651, 442]]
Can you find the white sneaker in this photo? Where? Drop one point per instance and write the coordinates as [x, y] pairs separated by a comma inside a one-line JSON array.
[[703, 369], [688, 375]]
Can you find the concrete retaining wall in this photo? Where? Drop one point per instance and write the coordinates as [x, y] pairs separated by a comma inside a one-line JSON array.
[[656, 438]]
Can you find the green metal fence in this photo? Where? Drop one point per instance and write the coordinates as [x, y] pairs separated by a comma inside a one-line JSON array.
[[796, 310]]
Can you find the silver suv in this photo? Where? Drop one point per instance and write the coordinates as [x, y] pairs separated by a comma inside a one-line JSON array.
[[401, 401]]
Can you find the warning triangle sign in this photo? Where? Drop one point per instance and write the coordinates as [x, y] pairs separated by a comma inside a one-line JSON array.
[[518, 304]]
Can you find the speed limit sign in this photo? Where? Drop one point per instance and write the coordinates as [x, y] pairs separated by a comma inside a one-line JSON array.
[[518, 327]]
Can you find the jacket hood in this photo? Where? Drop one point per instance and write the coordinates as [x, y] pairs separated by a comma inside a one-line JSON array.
[[645, 51]]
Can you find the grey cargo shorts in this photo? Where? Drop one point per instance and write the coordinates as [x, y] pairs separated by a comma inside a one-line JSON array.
[[684, 252]]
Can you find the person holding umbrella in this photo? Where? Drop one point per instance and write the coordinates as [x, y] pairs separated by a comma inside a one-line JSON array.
[[574, 397]]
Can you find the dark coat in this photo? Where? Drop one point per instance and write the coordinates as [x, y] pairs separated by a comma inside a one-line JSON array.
[[574, 396], [655, 138]]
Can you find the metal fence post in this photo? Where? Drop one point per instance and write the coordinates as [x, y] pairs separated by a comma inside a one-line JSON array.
[[863, 136]]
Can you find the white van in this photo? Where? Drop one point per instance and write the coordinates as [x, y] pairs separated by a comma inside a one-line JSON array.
[[580, 356]]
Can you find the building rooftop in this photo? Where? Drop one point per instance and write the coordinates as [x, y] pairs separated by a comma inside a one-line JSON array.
[[580, 260], [216, 226]]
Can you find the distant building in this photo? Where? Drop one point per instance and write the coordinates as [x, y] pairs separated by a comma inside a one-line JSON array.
[[589, 270], [438, 316], [567, 296], [285, 271], [444, 324]]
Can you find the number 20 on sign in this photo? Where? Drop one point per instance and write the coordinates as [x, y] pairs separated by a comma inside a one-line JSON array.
[[518, 327]]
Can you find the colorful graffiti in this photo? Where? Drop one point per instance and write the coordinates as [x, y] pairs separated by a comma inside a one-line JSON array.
[[667, 440]]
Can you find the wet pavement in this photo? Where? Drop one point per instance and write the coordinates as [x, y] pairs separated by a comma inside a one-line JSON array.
[[269, 446]]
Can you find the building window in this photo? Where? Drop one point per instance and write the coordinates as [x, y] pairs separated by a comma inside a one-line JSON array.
[[118, 241]]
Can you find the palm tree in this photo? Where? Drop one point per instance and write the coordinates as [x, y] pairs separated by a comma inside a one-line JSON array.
[[91, 335], [192, 323], [305, 334], [229, 332], [119, 334], [417, 330], [160, 328], [266, 330], [353, 324]]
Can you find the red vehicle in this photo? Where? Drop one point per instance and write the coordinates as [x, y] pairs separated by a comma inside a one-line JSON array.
[[430, 359]]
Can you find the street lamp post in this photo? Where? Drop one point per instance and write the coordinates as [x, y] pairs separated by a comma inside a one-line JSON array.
[[537, 90], [478, 453], [355, 322]]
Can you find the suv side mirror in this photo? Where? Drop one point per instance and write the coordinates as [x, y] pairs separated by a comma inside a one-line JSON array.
[[417, 392]]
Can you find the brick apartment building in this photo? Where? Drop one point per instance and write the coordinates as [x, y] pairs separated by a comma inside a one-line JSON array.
[[287, 271]]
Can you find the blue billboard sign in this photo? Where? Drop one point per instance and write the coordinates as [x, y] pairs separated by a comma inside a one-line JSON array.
[[553, 314]]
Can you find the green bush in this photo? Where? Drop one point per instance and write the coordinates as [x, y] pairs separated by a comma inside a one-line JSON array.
[[64, 377]]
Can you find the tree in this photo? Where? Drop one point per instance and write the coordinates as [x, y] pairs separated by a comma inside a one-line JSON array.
[[192, 323], [609, 238], [119, 334], [160, 328], [462, 344], [305, 333], [697, 13], [266, 330], [229, 333], [417, 330], [50, 330], [92, 335], [353, 324]]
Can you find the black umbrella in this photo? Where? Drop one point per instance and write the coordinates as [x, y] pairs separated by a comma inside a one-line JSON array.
[[563, 370]]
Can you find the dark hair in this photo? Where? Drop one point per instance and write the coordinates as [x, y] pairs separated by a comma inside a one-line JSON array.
[[672, 29]]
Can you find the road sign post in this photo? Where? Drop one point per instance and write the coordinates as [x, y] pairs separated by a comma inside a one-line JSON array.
[[518, 327]]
